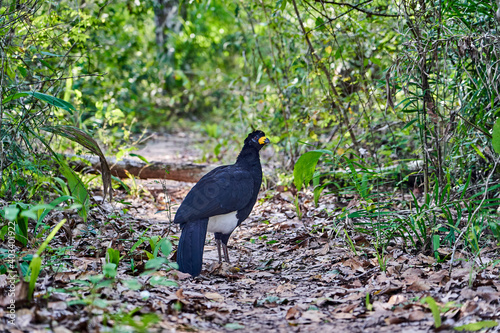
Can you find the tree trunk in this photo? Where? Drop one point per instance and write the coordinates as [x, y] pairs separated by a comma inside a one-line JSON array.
[[184, 172]]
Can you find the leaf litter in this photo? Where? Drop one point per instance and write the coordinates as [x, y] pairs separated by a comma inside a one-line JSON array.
[[288, 275]]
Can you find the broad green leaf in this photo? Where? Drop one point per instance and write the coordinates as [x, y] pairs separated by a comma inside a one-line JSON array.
[[233, 326], [132, 284], [81, 137], [22, 70], [304, 168], [77, 188], [109, 270], [11, 212], [495, 141], [113, 256], [166, 247], [156, 263], [162, 281], [477, 326], [57, 102]]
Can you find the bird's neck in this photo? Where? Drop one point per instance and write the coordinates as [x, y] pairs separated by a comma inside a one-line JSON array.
[[248, 156]]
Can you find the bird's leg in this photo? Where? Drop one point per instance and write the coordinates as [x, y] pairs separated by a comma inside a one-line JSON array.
[[218, 241], [226, 254]]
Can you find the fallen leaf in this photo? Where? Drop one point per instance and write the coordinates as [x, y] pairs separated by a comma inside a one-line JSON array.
[[395, 320], [292, 313], [418, 286], [397, 299], [416, 315], [214, 297], [342, 315], [313, 315]]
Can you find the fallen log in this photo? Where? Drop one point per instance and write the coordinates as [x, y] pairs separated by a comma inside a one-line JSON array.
[[183, 172]]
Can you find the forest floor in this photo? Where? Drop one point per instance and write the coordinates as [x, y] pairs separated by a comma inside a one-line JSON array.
[[288, 274]]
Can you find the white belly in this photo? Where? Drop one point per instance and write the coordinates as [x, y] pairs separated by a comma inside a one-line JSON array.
[[224, 224]]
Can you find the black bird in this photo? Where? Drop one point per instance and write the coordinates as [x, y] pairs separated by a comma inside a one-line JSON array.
[[218, 203]]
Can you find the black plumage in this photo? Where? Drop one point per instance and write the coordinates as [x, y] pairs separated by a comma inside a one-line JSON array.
[[218, 203]]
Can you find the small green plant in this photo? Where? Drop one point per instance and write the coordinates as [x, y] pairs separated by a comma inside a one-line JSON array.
[[113, 256], [36, 263], [123, 321], [436, 314]]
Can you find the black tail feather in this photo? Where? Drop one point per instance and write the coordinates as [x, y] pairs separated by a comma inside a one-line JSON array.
[[191, 244]]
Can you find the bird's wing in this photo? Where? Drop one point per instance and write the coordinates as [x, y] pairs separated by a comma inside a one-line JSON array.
[[223, 190]]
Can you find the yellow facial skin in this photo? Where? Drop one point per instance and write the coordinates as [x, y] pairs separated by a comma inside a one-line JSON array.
[[262, 140]]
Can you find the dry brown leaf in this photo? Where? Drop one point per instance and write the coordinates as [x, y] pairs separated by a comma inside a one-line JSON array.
[[418, 286], [324, 250], [388, 290], [395, 320], [290, 224], [313, 315], [412, 274], [292, 313], [179, 293], [468, 308], [397, 299], [416, 315], [214, 297], [380, 306], [347, 308], [342, 315], [438, 276]]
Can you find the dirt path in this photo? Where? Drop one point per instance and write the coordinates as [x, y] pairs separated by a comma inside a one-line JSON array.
[[289, 276]]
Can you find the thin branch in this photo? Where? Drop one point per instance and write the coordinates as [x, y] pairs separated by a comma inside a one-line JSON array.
[[358, 8]]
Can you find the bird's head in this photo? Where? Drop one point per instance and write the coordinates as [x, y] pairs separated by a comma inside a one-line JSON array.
[[257, 139]]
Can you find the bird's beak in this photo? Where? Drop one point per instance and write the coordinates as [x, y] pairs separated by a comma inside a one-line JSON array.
[[264, 141]]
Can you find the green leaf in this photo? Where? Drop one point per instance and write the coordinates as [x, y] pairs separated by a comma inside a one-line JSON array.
[[477, 326], [436, 243], [233, 326], [51, 54], [132, 284], [109, 270], [156, 263], [100, 303], [142, 158], [369, 306], [35, 267], [495, 141], [434, 309], [11, 212], [77, 189], [36, 262], [81, 137], [57, 102], [166, 247], [480, 153], [22, 70], [162, 281], [281, 4], [136, 244], [303, 170], [113, 256]]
